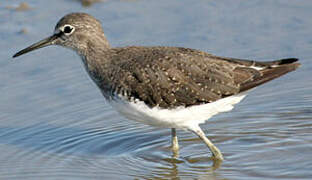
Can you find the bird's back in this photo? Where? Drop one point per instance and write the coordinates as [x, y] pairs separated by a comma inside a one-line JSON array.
[[170, 77]]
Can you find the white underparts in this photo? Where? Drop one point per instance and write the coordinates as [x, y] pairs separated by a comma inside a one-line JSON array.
[[180, 117]]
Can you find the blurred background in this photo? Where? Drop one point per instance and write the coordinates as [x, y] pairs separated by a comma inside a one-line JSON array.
[[55, 124]]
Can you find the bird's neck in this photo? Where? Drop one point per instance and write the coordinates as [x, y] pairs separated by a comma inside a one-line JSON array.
[[95, 51], [96, 57]]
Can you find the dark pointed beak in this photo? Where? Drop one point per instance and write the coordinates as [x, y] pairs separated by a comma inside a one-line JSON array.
[[43, 43]]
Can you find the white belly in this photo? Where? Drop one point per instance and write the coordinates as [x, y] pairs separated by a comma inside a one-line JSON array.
[[180, 117]]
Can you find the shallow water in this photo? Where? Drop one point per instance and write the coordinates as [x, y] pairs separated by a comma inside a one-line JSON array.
[[55, 124]]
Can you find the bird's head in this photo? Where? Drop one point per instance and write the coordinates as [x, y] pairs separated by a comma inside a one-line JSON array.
[[77, 31]]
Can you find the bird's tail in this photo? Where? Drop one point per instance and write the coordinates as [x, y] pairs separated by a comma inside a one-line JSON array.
[[271, 70]]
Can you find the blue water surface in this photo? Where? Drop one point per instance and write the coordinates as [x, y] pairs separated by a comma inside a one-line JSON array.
[[55, 124]]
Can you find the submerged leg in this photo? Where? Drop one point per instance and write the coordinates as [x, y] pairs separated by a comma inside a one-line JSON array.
[[174, 142], [215, 151]]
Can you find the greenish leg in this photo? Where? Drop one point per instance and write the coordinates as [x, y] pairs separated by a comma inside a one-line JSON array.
[[174, 142], [215, 151]]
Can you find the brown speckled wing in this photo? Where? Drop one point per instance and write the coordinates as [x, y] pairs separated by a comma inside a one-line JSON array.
[[169, 77]]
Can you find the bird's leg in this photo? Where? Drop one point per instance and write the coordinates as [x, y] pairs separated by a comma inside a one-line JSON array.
[[215, 151], [174, 142]]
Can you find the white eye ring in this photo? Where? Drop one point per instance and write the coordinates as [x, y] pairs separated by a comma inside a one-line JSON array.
[[67, 29]]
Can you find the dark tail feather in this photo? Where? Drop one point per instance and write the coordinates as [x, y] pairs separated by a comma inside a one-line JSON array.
[[283, 61], [273, 70]]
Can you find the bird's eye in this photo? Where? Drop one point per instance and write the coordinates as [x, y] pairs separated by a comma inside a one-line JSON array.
[[68, 29]]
